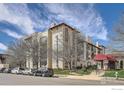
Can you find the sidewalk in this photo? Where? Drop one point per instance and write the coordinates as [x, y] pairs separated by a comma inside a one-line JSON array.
[[84, 77], [92, 76]]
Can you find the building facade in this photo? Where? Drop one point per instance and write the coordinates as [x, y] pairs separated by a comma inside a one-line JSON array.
[[3, 61], [119, 55], [62, 47]]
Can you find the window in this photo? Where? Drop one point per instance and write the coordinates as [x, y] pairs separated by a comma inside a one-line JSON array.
[[66, 34]]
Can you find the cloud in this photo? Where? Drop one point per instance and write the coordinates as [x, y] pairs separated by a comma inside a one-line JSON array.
[[81, 16], [12, 34], [3, 47], [17, 14], [29, 18]]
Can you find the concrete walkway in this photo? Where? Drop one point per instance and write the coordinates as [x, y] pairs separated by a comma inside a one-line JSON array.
[[92, 76]]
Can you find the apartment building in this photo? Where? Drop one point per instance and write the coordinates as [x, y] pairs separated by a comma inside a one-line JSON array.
[[3, 61], [61, 45], [34, 43], [119, 55]]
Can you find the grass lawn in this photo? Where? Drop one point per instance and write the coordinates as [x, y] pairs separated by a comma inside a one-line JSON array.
[[84, 71], [60, 71], [111, 73]]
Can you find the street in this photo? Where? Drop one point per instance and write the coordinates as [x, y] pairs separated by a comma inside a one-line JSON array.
[[12, 79]]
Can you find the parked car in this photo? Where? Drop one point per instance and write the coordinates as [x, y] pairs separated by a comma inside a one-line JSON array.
[[44, 72], [27, 72], [2, 69], [6, 70], [17, 70], [9, 70]]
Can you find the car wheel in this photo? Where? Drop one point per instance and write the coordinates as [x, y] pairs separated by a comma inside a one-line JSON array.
[[51, 75], [34, 74], [43, 75]]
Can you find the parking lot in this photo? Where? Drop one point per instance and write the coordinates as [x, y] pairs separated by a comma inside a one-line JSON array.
[[13, 79]]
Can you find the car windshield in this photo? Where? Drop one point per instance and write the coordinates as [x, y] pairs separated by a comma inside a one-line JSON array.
[[28, 69], [21, 68], [43, 68], [16, 68]]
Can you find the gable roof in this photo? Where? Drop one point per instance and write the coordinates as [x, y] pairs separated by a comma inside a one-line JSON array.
[[65, 25]]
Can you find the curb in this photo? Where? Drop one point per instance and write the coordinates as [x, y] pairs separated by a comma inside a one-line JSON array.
[[113, 78], [80, 78], [96, 79]]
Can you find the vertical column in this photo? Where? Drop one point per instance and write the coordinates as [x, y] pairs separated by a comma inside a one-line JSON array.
[[119, 64], [31, 63], [39, 54], [75, 45], [39, 50], [0, 61], [105, 64], [49, 50], [123, 64], [39, 63], [97, 44], [85, 52], [27, 62], [90, 52]]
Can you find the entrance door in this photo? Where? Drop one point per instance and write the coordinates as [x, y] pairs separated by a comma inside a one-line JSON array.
[[121, 64], [111, 65], [99, 65]]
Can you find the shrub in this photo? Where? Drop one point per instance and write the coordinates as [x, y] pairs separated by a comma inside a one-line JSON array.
[[111, 73], [61, 71], [84, 70], [79, 67]]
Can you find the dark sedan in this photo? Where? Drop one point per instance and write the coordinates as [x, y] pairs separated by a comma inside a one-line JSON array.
[[44, 72], [2, 69]]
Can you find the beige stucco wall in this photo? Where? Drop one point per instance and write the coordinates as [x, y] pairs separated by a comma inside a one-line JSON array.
[[60, 32], [4, 65], [51, 45], [49, 50], [29, 62], [57, 32]]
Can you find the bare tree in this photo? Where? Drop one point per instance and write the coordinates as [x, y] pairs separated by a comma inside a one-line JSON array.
[[35, 47], [32, 49], [80, 46], [17, 53], [117, 36], [69, 50]]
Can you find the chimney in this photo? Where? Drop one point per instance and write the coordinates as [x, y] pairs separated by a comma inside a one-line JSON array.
[[97, 44], [88, 39], [52, 25]]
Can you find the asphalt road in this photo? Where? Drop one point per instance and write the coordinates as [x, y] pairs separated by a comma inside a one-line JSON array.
[[12, 79]]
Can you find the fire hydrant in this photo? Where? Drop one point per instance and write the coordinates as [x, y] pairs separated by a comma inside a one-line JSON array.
[[116, 75]]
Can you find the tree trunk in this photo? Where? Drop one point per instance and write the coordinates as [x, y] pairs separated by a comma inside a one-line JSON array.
[[69, 65]]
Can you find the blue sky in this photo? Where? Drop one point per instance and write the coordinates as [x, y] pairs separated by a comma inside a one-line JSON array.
[[95, 20]]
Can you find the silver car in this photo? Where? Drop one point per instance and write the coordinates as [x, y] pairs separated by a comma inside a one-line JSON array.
[[17, 70], [27, 71]]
